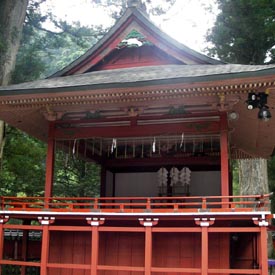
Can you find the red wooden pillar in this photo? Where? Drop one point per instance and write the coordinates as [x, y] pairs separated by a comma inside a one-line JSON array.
[[45, 222], [263, 257], [148, 250], [224, 156], [204, 223], [95, 248], [148, 223], [44, 249], [24, 250], [204, 250], [50, 161], [95, 223], [1, 244], [2, 221]]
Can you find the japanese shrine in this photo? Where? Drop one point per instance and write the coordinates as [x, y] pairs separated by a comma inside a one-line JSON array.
[[163, 123]]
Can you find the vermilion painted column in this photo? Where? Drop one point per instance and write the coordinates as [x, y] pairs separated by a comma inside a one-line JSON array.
[[1, 244], [50, 161], [148, 223], [24, 250], [263, 250], [44, 249], [2, 221], [95, 223], [224, 156], [204, 250], [204, 223], [45, 222], [95, 247], [148, 250]]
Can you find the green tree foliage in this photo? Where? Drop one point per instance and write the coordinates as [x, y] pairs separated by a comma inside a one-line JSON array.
[[74, 176], [45, 51], [23, 165], [244, 31]]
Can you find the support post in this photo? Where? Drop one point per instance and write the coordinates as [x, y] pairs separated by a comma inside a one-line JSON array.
[[24, 250], [50, 162], [1, 244], [204, 223], [148, 223], [95, 223], [2, 221], [94, 251], [263, 250], [45, 222], [224, 156], [148, 250], [262, 243]]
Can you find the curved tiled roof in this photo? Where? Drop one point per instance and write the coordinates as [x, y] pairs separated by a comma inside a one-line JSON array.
[[141, 75]]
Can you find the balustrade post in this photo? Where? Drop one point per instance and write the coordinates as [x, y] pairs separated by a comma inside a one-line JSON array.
[[148, 204]]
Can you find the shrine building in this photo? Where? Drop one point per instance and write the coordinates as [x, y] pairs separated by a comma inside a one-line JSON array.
[[163, 123]]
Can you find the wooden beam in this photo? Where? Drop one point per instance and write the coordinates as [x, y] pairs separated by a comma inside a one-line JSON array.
[[154, 129], [162, 161]]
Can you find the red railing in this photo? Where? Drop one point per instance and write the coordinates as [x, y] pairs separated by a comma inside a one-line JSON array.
[[138, 204]]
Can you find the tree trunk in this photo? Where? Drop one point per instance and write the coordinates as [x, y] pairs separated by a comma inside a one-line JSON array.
[[253, 180], [12, 16], [253, 177]]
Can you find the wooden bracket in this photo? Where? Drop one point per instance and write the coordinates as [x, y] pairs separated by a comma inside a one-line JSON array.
[[260, 221], [46, 220], [204, 221], [4, 219], [148, 221], [95, 221]]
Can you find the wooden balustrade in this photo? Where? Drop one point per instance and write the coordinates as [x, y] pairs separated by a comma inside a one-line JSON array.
[[138, 204]]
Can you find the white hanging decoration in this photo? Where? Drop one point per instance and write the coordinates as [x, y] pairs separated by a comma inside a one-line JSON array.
[[174, 175], [114, 144], [185, 176], [154, 145], [74, 147], [162, 177], [182, 138]]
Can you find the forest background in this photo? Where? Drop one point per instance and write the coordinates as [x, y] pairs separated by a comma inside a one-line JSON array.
[[243, 32]]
